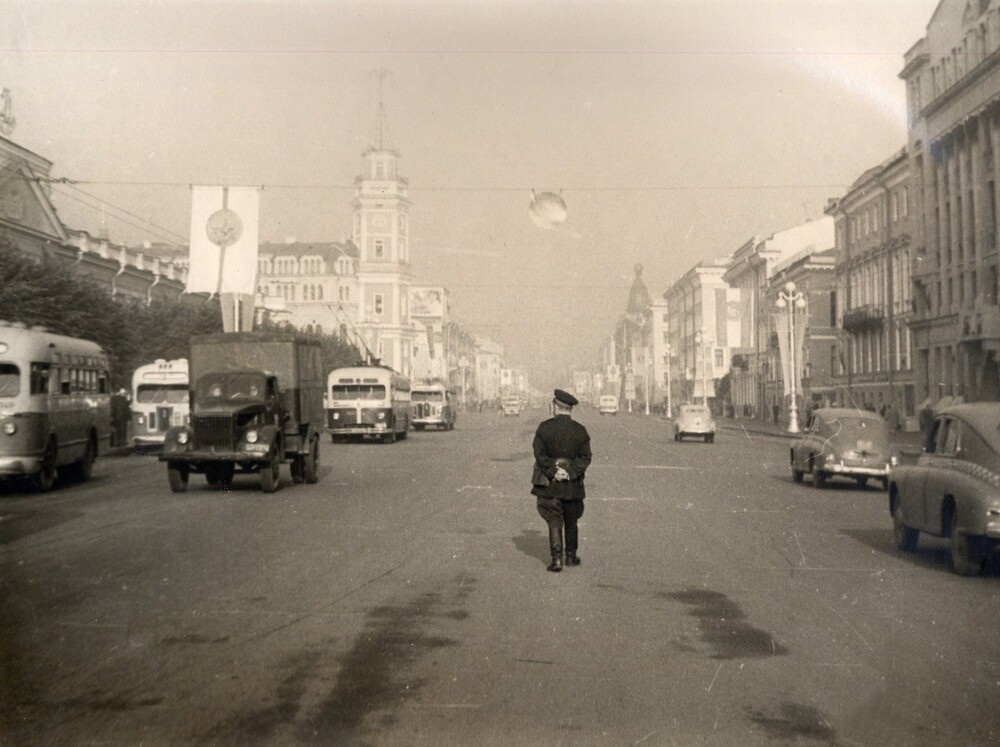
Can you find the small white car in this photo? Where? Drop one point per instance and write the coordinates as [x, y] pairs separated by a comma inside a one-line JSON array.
[[696, 421], [608, 404]]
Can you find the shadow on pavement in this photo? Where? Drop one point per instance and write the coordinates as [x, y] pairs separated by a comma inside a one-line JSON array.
[[533, 543], [933, 553]]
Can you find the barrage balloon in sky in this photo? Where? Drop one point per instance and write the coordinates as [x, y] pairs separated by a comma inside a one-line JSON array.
[[547, 210]]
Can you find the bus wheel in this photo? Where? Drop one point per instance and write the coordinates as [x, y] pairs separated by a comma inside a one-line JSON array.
[[311, 467], [177, 476], [45, 478], [270, 473], [83, 469]]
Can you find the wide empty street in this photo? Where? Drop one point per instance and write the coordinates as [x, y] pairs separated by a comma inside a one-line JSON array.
[[404, 600]]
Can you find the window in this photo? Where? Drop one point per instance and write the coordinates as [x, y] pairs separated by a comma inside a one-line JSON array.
[[719, 356], [378, 304], [379, 248]]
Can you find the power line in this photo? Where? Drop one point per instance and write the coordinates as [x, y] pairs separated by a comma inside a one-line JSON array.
[[466, 188], [121, 220], [122, 210]]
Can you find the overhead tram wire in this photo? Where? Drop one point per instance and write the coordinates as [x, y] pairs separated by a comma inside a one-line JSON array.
[[466, 188], [122, 210], [149, 228]]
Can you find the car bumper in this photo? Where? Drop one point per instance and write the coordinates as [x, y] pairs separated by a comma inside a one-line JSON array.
[[429, 421], [152, 440], [260, 454], [360, 430], [846, 470]]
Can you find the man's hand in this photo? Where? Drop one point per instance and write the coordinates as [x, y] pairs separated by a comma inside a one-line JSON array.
[[561, 475]]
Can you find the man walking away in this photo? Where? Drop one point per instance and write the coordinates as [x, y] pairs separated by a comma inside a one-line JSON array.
[[562, 455]]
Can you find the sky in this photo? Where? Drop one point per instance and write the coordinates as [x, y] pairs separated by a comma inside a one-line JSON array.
[[675, 130]]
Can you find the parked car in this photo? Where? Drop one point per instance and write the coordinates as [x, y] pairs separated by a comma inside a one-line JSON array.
[[844, 442], [511, 406], [694, 420], [953, 489], [608, 404]]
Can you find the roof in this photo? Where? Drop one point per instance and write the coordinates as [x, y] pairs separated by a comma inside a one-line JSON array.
[[326, 249]]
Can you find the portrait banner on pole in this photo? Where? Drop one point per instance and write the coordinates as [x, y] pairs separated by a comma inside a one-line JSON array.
[[224, 240]]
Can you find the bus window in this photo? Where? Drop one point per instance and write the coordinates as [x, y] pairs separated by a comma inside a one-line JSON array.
[[358, 391], [39, 378], [10, 377]]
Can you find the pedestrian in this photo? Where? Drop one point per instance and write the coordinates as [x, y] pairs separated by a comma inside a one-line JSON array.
[[775, 410], [562, 455]]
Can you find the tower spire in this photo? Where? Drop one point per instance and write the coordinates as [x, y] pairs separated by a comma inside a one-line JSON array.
[[381, 73]]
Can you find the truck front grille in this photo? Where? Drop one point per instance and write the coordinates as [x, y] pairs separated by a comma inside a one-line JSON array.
[[214, 432]]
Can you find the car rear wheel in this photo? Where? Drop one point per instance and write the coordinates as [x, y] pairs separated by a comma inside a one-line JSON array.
[[967, 555], [862, 482], [904, 536]]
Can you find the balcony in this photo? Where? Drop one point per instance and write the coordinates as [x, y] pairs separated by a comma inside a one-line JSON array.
[[982, 323], [863, 318]]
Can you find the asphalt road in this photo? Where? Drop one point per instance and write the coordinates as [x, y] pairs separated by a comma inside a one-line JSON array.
[[403, 600]]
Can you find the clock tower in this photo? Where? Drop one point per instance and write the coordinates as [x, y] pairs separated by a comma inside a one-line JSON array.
[[381, 231]]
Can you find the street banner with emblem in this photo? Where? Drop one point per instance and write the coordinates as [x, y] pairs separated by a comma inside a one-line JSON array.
[[224, 237], [781, 322]]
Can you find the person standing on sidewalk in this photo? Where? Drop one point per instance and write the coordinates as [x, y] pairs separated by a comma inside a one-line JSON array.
[[562, 455]]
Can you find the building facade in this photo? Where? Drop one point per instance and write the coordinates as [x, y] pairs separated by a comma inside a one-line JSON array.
[[750, 272], [874, 237], [701, 332], [952, 80]]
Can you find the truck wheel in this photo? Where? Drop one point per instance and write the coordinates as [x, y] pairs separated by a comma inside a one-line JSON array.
[[45, 478], [177, 476], [311, 466], [270, 473], [389, 438]]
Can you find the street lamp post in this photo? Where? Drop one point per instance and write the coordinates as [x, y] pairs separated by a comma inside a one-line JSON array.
[[790, 300], [702, 341], [670, 409], [645, 373]]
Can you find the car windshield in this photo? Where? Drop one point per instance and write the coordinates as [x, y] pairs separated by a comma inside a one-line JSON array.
[[10, 377], [694, 410]]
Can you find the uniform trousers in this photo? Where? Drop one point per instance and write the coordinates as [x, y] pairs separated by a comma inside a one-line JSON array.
[[557, 514]]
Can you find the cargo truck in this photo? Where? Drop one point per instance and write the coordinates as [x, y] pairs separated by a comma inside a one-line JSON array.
[[256, 403]]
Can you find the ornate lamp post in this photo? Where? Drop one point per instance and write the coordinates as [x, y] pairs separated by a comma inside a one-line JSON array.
[[670, 408], [701, 339], [790, 300]]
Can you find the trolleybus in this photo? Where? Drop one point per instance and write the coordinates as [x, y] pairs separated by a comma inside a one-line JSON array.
[[160, 399], [367, 401], [55, 404], [433, 406]]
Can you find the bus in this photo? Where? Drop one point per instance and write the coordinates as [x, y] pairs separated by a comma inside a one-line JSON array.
[[160, 399], [433, 406], [367, 401], [55, 405]]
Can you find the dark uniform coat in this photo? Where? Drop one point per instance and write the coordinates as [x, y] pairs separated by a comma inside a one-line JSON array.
[[560, 439]]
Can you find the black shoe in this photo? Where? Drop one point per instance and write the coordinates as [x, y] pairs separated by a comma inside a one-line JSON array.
[[572, 558], [556, 565]]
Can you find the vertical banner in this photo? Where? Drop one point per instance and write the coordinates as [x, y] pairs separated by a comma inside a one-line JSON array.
[[224, 237]]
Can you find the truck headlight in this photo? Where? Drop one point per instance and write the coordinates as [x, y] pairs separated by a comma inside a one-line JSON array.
[[336, 416], [893, 460], [251, 437], [182, 437], [140, 419], [381, 416], [830, 458], [10, 428]]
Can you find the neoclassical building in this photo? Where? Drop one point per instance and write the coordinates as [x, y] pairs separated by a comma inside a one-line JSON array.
[[874, 237], [953, 103]]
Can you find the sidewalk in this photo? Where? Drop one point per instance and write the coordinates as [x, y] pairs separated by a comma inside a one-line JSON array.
[[909, 443]]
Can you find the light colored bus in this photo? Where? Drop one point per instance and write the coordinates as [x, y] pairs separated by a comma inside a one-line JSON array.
[[433, 406], [55, 405], [367, 401], [160, 399]]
